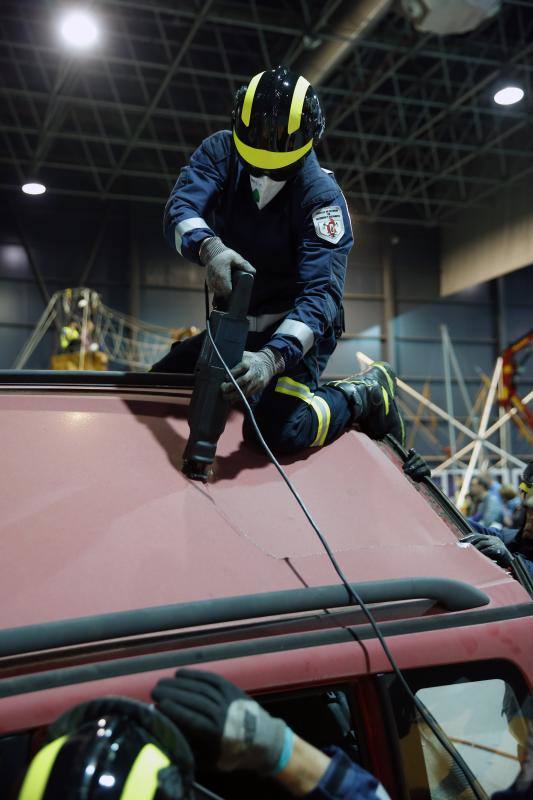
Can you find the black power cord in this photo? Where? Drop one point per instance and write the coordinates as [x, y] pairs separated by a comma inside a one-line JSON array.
[[352, 593]]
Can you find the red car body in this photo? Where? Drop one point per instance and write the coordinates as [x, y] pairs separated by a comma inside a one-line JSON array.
[[97, 519]]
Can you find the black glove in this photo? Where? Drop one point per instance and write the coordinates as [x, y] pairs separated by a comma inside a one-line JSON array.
[[254, 373], [415, 467], [224, 726], [490, 546], [220, 261]]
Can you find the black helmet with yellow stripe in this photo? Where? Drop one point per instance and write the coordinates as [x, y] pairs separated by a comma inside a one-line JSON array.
[[526, 481], [111, 749], [277, 120]]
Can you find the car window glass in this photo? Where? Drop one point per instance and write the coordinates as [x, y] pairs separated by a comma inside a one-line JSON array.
[[479, 711], [482, 722]]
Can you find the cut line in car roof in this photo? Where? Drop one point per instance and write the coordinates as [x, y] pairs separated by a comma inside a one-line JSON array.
[[146, 383], [97, 517]]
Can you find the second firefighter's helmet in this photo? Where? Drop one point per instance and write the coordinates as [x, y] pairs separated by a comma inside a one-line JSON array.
[[526, 481], [109, 749], [277, 120]]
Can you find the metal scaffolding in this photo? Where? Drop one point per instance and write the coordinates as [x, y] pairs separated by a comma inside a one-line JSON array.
[[123, 340], [413, 134], [479, 434]]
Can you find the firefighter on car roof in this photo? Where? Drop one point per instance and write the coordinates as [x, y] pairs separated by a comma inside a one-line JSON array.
[[256, 195]]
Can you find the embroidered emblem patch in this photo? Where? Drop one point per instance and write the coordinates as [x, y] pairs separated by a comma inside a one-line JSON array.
[[329, 224]]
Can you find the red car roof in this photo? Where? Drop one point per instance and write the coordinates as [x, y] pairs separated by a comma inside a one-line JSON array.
[[96, 515]]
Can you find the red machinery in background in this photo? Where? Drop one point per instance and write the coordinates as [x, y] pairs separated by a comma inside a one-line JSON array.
[[509, 397]]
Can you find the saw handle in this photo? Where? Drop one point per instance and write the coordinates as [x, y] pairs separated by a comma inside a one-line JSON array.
[[239, 301]]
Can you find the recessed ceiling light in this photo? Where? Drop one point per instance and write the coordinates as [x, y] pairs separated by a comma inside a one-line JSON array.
[[508, 95], [34, 188], [79, 29]]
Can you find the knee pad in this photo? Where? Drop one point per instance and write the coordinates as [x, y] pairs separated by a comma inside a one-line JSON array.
[[279, 438]]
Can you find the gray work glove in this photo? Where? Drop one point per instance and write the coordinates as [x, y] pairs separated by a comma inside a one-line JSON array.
[[416, 467], [490, 546], [219, 262], [254, 372], [224, 726]]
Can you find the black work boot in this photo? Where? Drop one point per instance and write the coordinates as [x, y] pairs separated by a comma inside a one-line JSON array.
[[371, 396]]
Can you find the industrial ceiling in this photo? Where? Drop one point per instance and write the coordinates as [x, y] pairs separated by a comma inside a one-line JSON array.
[[413, 133]]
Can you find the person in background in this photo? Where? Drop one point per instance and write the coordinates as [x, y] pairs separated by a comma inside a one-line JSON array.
[[70, 339], [502, 544], [469, 508], [489, 509], [493, 484], [522, 787], [511, 506]]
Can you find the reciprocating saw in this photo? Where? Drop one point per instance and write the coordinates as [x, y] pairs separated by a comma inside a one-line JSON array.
[[209, 410]]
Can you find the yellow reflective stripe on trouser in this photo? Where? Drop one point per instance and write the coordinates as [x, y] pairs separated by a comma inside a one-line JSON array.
[[297, 104], [141, 783], [249, 98], [318, 404], [34, 785]]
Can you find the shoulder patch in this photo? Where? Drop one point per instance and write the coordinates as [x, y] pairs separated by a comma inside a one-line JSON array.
[[329, 224]]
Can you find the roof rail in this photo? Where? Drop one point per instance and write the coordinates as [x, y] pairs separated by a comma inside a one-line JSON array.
[[120, 664], [452, 594]]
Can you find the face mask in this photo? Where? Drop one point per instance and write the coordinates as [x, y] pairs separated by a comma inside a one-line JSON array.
[[264, 189]]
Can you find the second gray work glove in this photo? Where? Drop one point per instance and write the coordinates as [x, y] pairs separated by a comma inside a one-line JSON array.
[[219, 262], [254, 373], [224, 726]]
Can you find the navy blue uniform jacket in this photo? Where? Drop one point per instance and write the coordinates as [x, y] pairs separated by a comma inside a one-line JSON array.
[[298, 271]]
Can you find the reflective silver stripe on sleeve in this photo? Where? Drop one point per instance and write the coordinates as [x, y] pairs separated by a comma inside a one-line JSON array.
[[185, 226], [300, 331], [264, 321]]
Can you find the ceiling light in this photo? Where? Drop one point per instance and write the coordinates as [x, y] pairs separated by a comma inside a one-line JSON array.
[[508, 95], [79, 29], [34, 188]]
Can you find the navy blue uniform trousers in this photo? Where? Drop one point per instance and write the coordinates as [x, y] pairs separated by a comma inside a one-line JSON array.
[[294, 411]]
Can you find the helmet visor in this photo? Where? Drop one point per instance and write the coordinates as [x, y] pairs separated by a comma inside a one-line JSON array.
[[266, 160]]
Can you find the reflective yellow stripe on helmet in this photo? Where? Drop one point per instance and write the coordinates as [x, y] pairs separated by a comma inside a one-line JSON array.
[[249, 98], [318, 404], [265, 159], [141, 783], [34, 785], [385, 399], [297, 103]]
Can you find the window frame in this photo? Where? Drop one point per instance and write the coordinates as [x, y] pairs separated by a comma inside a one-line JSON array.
[[443, 675]]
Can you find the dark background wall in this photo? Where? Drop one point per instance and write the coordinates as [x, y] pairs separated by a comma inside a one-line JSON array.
[[392, 303]]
